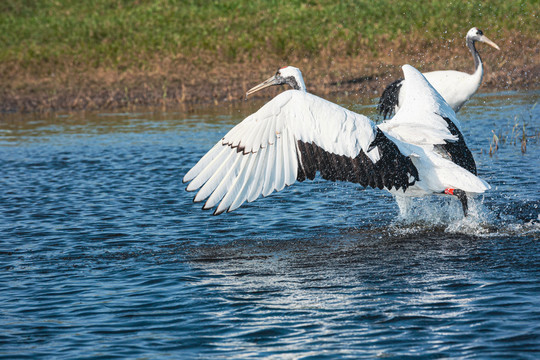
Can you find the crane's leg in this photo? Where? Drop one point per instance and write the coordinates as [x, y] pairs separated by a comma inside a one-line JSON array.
[[461, 195], [404, 204]]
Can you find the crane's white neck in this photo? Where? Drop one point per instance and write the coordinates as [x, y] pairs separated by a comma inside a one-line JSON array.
[[302, 86]]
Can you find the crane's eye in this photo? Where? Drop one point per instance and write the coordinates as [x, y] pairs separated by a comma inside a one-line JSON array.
[[479, 32]]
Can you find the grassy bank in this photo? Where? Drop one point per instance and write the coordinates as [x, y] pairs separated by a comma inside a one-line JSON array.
[[76, 54]]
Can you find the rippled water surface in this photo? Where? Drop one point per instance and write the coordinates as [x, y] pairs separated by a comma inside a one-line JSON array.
[[104, 255]]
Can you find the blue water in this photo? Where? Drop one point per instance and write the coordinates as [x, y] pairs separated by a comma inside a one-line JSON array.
[[104, 255]]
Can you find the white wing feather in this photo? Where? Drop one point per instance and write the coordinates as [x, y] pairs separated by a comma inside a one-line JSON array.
[[226, 181], [206, 159], [420, 120], [259, 155], [269, 171], [256, 187]]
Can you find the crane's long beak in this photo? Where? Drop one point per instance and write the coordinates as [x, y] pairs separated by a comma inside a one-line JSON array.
[[271, 81], [484, 39]]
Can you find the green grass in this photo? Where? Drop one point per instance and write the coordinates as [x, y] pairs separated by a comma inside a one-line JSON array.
[[120, 34]]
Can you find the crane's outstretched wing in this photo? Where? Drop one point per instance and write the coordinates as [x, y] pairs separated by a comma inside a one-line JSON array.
[[291, 138]]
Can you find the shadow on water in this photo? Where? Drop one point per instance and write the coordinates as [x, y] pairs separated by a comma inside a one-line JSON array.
[[414, 245], [426, 290]]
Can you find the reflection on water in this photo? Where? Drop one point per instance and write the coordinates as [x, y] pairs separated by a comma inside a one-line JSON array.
[[103, 253]]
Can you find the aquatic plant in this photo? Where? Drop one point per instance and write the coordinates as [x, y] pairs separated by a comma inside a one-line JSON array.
[[522, 130]]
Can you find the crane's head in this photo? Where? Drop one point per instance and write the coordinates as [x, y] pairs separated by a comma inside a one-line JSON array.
[[477, 35], [286, 75]]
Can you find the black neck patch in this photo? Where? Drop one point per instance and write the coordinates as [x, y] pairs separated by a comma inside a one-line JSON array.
[[474, 52], [291, 81]]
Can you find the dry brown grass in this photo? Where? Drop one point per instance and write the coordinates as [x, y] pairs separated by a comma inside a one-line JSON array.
[[187, 82]]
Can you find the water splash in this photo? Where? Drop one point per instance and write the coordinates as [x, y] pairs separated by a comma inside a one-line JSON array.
[[444, 214]]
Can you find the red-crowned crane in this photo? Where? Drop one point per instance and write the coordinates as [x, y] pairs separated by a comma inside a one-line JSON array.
[[455, 87], [421, 151]]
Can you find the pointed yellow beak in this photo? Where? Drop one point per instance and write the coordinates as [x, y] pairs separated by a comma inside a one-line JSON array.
[[271, 81], [484, 39]]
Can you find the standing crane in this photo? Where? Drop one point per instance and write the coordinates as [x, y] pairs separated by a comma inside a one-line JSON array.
[[455, 87]]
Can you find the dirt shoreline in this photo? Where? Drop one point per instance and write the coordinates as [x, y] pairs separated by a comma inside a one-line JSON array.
[[186, 86]]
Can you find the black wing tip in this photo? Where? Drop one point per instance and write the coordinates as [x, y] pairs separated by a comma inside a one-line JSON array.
[[389, 99], [226, 210], [215, 213]]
